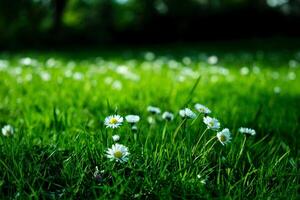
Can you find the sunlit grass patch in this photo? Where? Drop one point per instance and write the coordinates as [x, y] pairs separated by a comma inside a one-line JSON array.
[[150, 125]]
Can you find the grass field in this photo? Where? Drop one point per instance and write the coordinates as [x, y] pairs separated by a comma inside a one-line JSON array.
[[57, 102]]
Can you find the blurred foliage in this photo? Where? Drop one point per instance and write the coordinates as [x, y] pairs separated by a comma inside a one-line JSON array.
[[100, 20]]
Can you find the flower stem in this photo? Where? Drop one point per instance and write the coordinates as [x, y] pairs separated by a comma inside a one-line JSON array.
[[195, 147]]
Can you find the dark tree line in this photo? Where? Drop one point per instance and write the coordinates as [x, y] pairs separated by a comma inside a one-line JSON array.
[[37, 22]]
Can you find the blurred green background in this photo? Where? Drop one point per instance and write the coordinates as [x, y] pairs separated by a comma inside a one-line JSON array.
[[78, 22]]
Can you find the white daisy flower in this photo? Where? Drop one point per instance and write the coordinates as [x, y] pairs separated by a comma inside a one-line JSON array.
[[212, 123], [118, 152], [108, 80], [98, 175], [256, 70], [117, 85], [244, 71], [78, 76], [186, 60], [151, 120], [212, 60], [277, 90], [132, 119], [247, 131], [202, 109], [51, 62], [134, 128], [293, 63], [16, 71], [224, 136], [153, 110], [68, 73], [202, 179], [45, 76], [7, 130], [168, 116], [116, 138], [3, 64], [291, 75], [113, 121], [187, 113], [96, 172], [149, 56], [26, 61], [122, 69]]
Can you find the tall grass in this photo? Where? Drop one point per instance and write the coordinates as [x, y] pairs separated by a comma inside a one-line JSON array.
[[57, 105]]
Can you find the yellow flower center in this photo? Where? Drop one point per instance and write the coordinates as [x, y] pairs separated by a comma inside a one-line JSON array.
[[223, 138], [118, 154], [211, 123], [113, 120]]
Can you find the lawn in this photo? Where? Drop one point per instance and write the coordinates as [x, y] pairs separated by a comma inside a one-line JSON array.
[[57, 103]]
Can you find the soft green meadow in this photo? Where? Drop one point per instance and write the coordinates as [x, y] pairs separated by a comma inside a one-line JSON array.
[[57, 102]]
